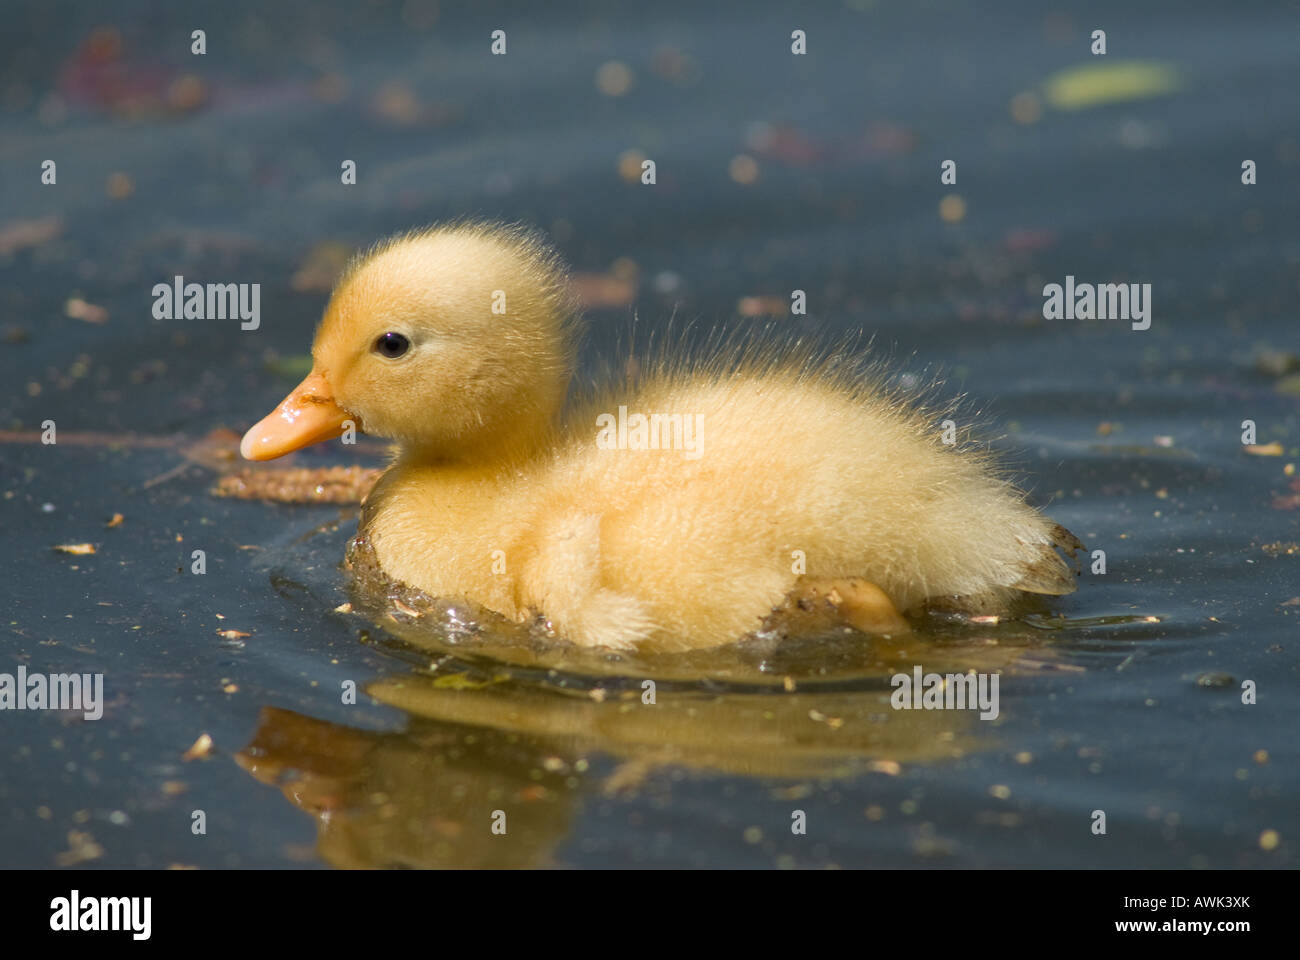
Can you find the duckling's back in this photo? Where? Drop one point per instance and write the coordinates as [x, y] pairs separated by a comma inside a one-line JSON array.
[[678, 513]]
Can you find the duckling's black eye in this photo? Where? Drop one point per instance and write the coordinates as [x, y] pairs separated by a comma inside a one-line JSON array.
[[392, 345]]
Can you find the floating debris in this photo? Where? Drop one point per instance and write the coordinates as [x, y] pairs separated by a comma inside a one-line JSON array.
[[1281, 547], [79, 309], [630, 165], [1217, 680], [743, 169], [952, 208], [18, 235], [201, 748], [299, 485], [1277, 363], [762, 306], [76, 549], [614, 78], [406, 609], [1287, 501], [596, 290], [119, 185], [1289, 386], [1093, 85], [81, 848]]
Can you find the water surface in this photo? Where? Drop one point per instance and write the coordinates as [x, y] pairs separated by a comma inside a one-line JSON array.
[[1124, 697]]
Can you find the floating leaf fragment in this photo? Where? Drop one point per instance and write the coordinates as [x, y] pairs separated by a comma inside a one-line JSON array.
[[1289, 386], [1093, 85], [76, 549], [1276, 363], [201, 748], [762, 306], [79, 309], [18, 235], [1215, 679], [407, 609]]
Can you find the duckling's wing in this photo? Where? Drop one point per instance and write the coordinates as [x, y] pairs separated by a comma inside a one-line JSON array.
[[1045, 571]]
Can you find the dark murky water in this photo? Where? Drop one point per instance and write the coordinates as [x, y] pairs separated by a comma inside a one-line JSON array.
[[225, 169]]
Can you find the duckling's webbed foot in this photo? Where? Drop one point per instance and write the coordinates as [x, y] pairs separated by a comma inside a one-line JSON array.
[[858, 603]]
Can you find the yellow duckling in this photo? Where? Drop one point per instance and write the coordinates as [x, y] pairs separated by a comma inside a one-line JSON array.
[[674, 514]]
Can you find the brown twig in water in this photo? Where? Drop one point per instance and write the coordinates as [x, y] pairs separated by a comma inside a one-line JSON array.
[[94, 439]]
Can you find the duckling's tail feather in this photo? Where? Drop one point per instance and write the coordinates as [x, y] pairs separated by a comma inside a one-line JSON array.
[[1046, 572]]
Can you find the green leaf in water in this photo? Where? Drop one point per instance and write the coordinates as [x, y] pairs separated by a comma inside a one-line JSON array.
[[1289, 386], [293, 367], [1078, 88]]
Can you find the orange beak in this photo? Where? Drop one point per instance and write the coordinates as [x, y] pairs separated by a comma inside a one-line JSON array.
[[307, 415]]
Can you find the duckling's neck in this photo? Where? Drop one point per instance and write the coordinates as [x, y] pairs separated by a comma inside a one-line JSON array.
[[497, 436], [492, 452]]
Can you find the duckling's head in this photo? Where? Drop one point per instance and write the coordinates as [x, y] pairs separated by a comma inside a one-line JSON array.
[[457, 342]]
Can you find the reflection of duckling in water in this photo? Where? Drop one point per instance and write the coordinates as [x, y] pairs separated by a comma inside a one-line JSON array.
[[458, 343], [427, 796], [422, 798]]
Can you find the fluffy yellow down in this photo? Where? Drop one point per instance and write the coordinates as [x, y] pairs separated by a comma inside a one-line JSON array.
[[505, 497]]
